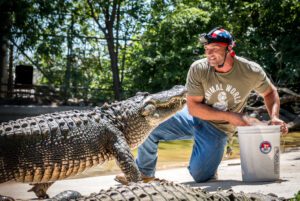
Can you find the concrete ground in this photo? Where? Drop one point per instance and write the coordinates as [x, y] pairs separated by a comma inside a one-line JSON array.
[[229, 174]]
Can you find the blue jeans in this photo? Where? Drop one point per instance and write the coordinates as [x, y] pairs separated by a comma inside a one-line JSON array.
[[208, 148]]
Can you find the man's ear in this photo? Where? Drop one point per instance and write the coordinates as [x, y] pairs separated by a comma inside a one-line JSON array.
[[232, 52]]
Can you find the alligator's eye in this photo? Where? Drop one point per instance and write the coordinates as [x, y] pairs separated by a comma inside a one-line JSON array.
[[148, 110]]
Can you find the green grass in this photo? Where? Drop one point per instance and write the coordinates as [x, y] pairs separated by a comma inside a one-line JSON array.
[[177, 154], [290, 141], [297, 197]]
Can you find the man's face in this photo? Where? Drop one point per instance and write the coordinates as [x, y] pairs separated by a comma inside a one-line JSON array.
[[215, 53]]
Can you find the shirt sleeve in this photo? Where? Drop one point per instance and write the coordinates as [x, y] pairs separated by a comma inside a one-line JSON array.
[[193, 81], [262, 81]]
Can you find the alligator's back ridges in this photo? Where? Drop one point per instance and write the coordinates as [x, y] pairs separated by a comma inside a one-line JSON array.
[[46, 140], [149, 191], [164, 190], [34, 138], [43, 125]]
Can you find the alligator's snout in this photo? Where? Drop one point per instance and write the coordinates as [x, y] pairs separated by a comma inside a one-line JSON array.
[[166, 98], [178, 92], [160, 106]]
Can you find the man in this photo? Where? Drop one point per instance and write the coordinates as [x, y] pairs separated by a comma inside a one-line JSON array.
[[218, 87]]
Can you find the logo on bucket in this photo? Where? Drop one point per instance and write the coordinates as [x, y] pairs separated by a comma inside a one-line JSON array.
[[265, 147]]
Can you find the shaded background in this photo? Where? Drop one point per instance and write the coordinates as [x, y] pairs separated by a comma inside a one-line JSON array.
[[88, 51]]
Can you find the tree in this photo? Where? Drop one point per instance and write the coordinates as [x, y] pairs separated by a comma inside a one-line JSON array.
[[265, 31], [126, 45], [108, 16], [7, 9], [162, 57], [28, 24]]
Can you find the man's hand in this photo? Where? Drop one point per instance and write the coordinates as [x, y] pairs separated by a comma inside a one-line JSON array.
[[283, 127], [237, 119], [272, 102]]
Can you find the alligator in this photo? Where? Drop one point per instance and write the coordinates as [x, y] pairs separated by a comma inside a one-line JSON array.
[[161, 190], [42, 149]]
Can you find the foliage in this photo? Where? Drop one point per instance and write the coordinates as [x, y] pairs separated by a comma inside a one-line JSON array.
[[153, 42], [297, 196], [265, 31], [34, 30], [268, 32], [69, 45], [164, 54]]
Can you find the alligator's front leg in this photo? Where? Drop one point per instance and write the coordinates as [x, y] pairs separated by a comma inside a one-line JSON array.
[[40, 189], [124, 158]]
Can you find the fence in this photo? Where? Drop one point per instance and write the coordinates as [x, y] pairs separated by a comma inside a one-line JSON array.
[[41, 94]]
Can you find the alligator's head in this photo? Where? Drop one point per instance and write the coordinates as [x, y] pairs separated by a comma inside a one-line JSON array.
[[150, 110], [162, 105]]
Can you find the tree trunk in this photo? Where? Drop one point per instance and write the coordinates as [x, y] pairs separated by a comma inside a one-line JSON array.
[[66, 90], [5, 25], [114, 64], [112, 47], [3, 64], [110, 12], [10, 72]]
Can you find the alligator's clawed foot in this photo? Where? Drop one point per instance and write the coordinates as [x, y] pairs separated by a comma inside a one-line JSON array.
[[5, 198], [146, 179], [40, 189]]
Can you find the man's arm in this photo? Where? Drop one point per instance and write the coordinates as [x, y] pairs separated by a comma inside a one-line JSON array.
[[272, 102], [198, 109]]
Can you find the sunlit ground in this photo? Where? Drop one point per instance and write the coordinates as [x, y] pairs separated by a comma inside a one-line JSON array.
[[177, 154]]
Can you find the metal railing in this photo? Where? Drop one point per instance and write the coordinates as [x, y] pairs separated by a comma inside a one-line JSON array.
[[42, 94]]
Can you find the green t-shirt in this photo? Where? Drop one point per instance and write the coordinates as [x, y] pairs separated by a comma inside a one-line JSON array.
[[226, 91]]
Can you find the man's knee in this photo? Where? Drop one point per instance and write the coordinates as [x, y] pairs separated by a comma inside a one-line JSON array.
[[201, 176], [201, 173]]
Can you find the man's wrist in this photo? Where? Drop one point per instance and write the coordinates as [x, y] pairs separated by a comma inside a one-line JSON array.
[[230, 116]]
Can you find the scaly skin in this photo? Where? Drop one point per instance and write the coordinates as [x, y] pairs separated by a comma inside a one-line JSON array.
[[51, 147], [161, 190]]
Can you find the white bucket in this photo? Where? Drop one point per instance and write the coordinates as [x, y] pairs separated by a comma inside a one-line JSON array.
[[260, 152]]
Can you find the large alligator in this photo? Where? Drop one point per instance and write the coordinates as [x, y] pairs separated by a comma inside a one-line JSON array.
[[50, 147], [160, 190]]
